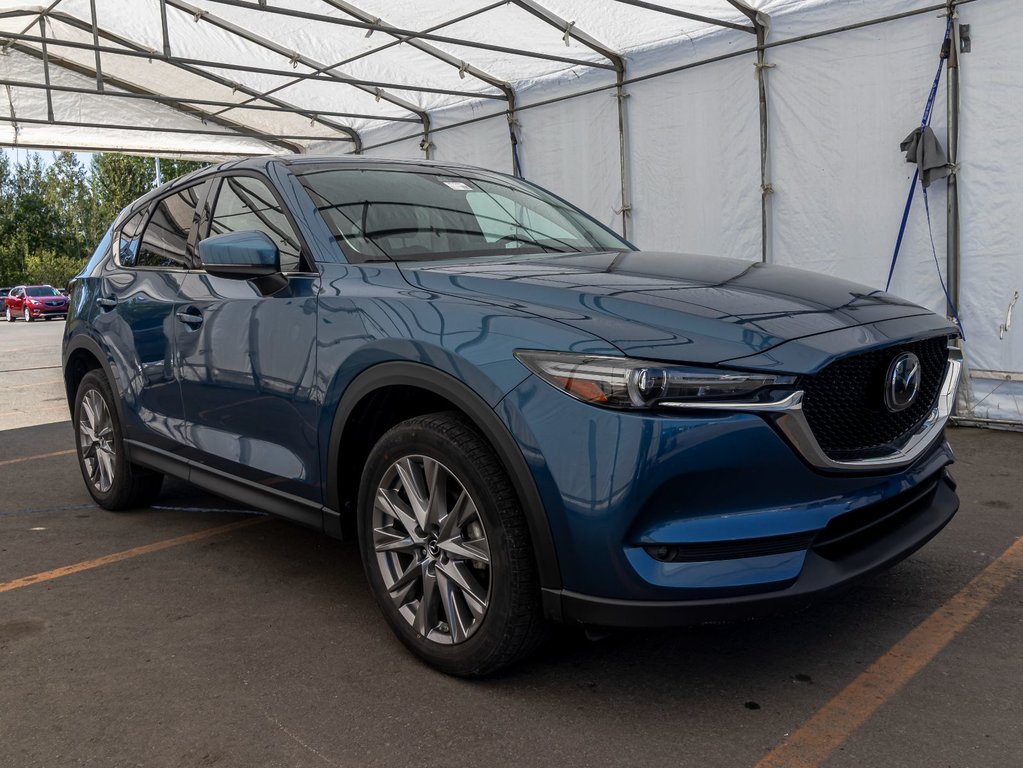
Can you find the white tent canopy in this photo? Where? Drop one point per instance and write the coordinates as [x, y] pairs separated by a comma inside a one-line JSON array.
[[761, 129]]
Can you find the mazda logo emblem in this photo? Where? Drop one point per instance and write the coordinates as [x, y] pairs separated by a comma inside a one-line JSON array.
[[902, 382]]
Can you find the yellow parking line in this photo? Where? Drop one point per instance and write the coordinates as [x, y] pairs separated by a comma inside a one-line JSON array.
[[68, 570], [814, 741], [37, 456]]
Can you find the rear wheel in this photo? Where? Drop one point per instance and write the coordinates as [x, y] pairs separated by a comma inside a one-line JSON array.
[[113, 481], [8, 314], [446, 547]]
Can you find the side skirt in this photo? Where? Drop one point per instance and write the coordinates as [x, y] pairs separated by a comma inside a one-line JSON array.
[[223, 484]]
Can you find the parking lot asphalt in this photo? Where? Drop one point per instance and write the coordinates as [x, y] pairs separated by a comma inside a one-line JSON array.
[[31, 389], [259, 645]]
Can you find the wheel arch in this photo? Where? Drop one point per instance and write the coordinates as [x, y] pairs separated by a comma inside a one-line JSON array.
[[438, 389], [81, 355]]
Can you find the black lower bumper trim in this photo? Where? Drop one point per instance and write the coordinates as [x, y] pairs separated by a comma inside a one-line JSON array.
[[818, 577]]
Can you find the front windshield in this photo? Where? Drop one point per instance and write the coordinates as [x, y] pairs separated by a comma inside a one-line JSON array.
[[41, 290], [410, 215]]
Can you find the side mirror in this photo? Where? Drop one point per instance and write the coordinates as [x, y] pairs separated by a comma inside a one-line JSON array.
[[243, 255]]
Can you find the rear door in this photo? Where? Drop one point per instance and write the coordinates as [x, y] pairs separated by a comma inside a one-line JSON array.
[[153, 250], [13, 303], [247, 359]]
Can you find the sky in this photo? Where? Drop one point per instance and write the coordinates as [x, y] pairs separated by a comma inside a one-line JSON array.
[[17, 155]]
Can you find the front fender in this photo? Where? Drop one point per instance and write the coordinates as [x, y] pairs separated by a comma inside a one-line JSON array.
[[436, 381]]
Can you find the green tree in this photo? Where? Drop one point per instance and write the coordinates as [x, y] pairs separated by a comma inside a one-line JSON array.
[[33, 220], [51, 268], [69, 200], [9, 263], [117, 180], [51, 218]]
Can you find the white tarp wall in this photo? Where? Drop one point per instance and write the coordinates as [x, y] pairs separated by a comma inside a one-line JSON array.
[[839, 107]]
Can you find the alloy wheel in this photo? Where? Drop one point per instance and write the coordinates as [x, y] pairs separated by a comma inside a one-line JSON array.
[[28, 316], [431, 549], [96, 440]]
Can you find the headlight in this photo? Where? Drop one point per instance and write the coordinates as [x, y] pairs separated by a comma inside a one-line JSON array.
[[620, 382]]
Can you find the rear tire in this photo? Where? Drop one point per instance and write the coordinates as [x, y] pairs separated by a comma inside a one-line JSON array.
[[453, 569], [8, 314], [113, 481]]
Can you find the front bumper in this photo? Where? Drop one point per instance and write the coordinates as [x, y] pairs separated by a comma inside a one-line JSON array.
[[45, 311], [722, 488], [821, 574]]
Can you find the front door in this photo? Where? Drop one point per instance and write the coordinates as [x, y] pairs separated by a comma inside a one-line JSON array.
[[247, 359]]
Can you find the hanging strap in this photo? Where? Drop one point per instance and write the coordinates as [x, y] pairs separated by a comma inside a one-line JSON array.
[[934, 252], [924, 122]]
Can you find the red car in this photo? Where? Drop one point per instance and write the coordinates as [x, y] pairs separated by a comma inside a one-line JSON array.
[[32, 302]]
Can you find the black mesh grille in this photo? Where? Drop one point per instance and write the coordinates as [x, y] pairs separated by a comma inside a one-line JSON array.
[[844, 403]]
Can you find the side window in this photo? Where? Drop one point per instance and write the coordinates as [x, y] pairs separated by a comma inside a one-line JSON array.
[[245, 203], [127, 243], [165, 241]]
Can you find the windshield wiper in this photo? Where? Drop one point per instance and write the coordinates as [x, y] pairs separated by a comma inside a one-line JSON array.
[[538, 244]]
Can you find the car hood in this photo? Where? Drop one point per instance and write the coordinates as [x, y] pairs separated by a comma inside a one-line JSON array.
[[667, 306]]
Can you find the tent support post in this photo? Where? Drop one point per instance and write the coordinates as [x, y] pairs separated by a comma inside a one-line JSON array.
[[616, 61], [163, 26], [623, 149], [761, 25], [765, 171], [952, 244], [952, 232], [95, 42], [46, 69]]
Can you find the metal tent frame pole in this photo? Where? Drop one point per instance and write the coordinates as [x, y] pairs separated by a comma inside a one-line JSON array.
[[133, 48], [761, 25], [682, 67], [408, 34], [952, 244], [569, 31], [463, 67], [374, 88], [686, 15], [175, 101]]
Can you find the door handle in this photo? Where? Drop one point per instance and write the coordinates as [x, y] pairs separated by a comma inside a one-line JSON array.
[[190, 318], [107, 303]]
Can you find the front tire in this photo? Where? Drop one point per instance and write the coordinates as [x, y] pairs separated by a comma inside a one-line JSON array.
[[446, 548], [27, 316], [113, 481]]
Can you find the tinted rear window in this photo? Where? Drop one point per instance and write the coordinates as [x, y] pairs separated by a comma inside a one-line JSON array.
[[165, 241]]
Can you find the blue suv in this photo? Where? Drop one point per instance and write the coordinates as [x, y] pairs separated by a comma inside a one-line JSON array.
[[521, 417]]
